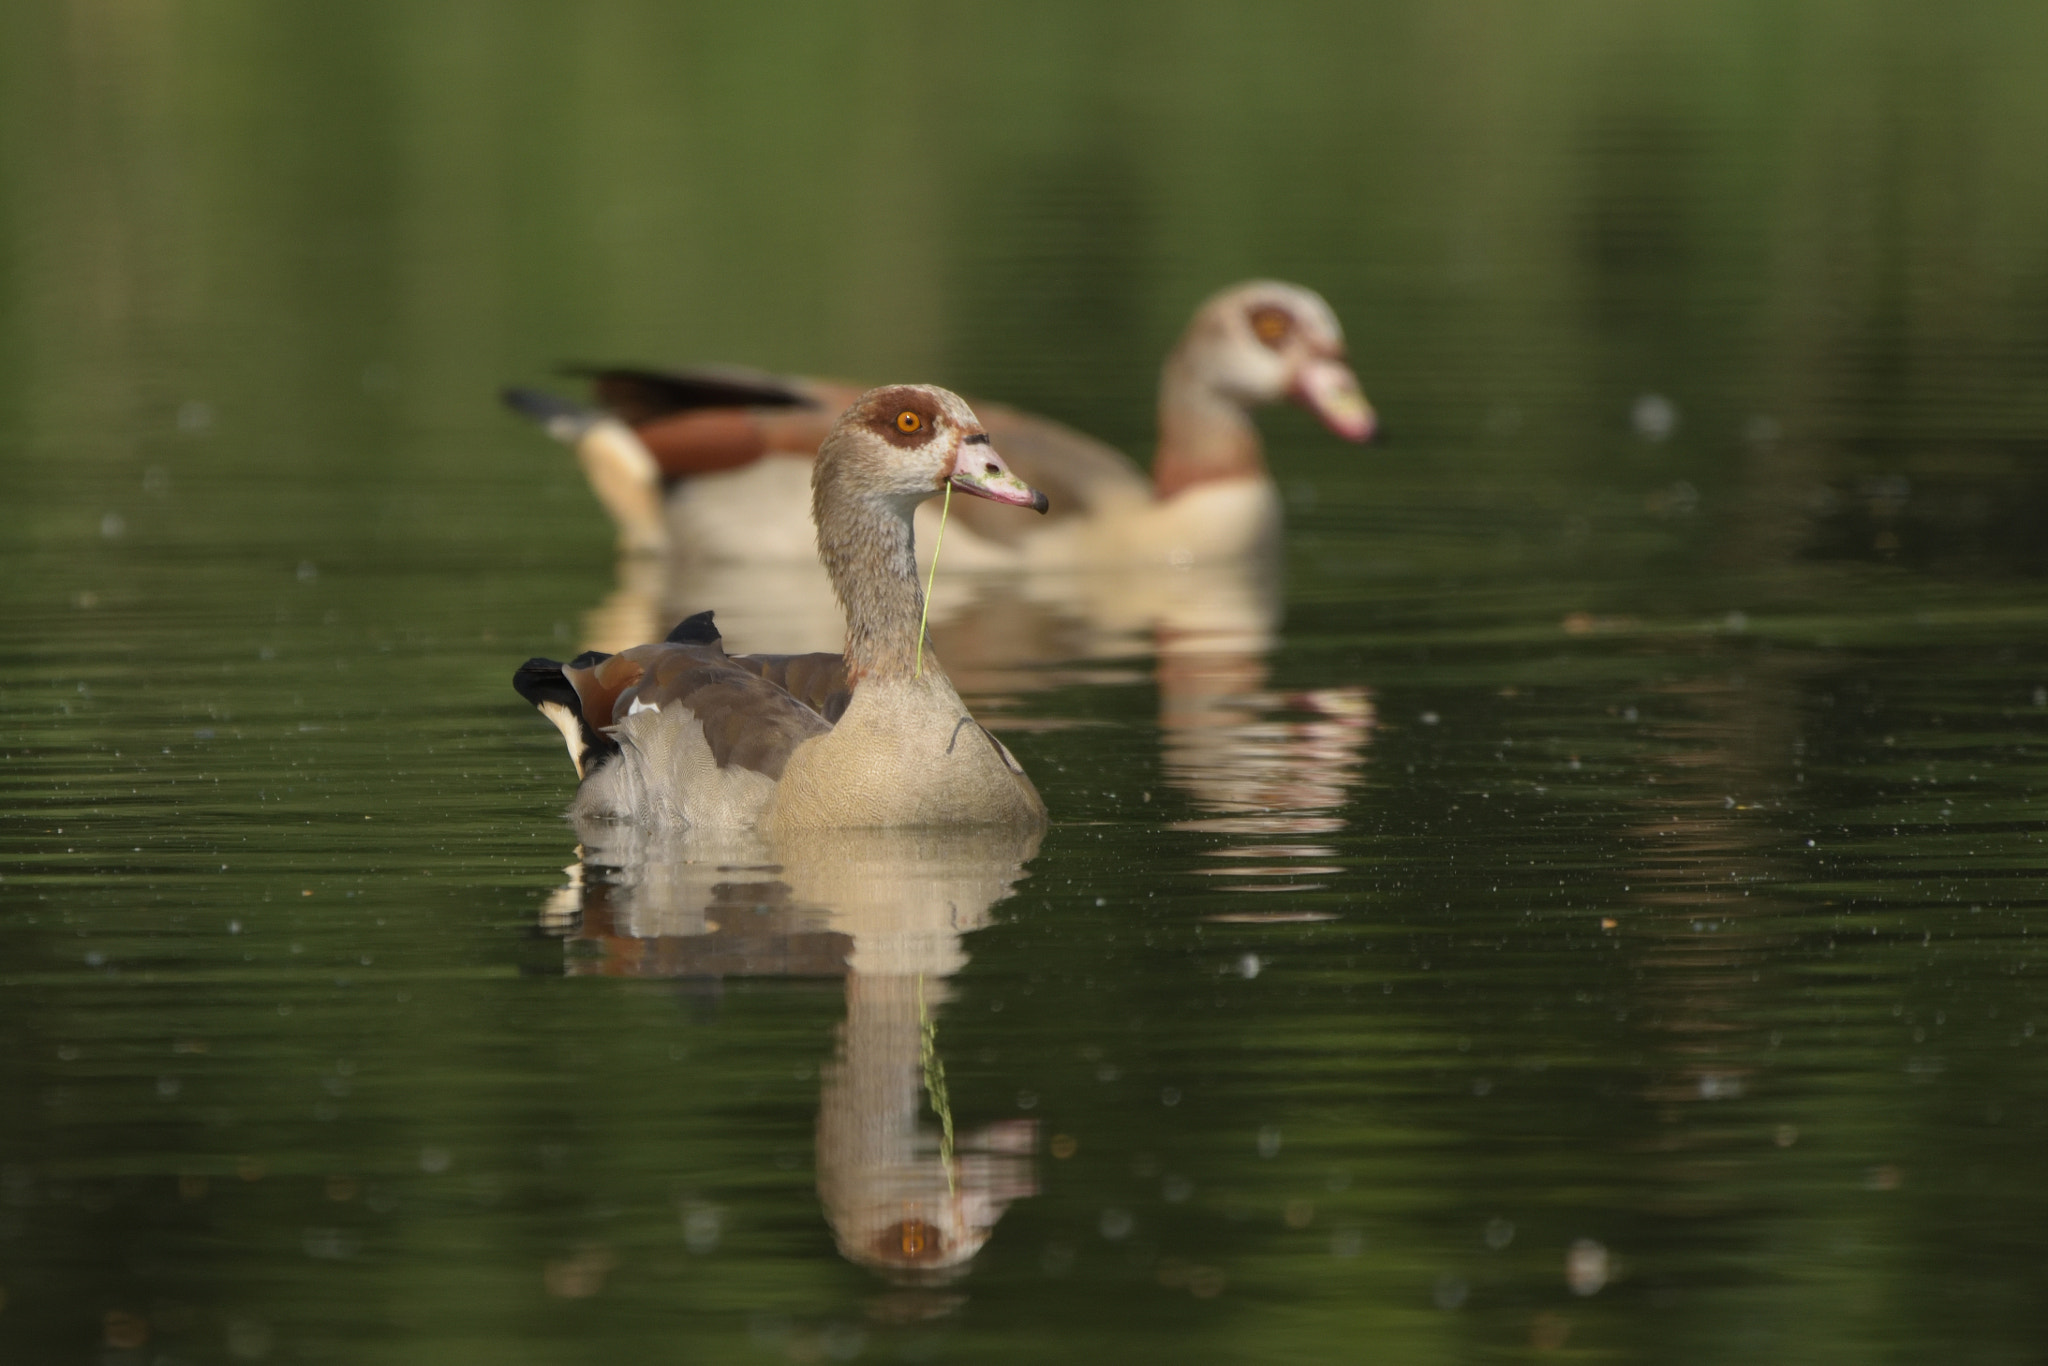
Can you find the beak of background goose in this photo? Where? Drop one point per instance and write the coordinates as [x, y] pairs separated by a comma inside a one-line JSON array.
[[981, 472], [1328, 389]]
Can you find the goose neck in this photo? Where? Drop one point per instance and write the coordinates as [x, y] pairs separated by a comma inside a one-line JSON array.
[[868, 549], [1204, 433]]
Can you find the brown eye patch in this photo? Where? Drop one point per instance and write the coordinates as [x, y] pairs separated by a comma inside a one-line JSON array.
[[906, 416], [1272, 324]]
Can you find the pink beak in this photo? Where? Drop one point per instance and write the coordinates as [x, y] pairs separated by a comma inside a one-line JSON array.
[[1327, 388], [980, 471]]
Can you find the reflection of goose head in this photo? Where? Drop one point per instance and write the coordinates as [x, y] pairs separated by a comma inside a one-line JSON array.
[[888, 908], [897, 1199], [903, 1195]]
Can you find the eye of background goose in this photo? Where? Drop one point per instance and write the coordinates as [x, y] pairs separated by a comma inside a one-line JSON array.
[[1271, 324], [907, 421]]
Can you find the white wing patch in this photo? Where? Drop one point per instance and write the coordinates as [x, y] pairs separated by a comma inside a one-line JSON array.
[[639, 706], [572, 731]]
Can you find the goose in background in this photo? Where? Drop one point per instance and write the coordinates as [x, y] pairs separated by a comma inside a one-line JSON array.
[[711, 465], [681, 734]]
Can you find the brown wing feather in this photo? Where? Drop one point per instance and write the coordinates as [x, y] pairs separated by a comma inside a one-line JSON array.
[[818, 680], [702, 421], [599, 686], [684, 444], [637, 394], [749, 720]]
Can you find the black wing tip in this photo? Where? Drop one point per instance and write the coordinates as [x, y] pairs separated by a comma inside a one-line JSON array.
[[540, 680], [695, 630], [703, 386]]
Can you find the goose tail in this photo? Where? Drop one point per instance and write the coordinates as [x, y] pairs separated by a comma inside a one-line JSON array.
[[622, 473]]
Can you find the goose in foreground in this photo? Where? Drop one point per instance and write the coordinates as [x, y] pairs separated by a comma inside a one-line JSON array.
[[710, 464], [681, 734]]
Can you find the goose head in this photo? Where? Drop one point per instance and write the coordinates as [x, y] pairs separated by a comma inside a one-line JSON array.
[[1265, 341], [900, 444]]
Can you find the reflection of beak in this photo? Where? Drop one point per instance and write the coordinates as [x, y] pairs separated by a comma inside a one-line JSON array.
[[1328, 389], [980, 471]]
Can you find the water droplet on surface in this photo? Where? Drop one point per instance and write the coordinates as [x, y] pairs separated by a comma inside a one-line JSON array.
[[1585, 1267], [1654, 417], [328, 1244], [703, 1226]]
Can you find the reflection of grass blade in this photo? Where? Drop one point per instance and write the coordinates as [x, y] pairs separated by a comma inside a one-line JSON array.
[[935, 1082]]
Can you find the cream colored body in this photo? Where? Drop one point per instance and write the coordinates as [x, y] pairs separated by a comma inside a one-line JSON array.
[[759, 514], [905, 753], [1223, 520]]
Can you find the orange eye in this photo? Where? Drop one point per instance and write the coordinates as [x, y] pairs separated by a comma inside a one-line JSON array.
[[1271, 325], [908, 421]]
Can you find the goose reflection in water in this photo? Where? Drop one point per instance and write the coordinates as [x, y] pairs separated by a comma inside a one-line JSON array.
[[888, 911]]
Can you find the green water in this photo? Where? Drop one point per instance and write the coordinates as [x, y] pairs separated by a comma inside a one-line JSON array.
[[1582, 910]]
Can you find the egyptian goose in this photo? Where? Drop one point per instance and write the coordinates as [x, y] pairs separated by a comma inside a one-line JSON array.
[[688, 461], [680, 733]]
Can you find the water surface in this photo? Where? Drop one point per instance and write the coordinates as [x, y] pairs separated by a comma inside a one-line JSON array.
[[1580, 902]]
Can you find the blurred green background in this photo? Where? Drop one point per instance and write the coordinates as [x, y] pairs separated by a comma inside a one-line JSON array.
[[357, 220]]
